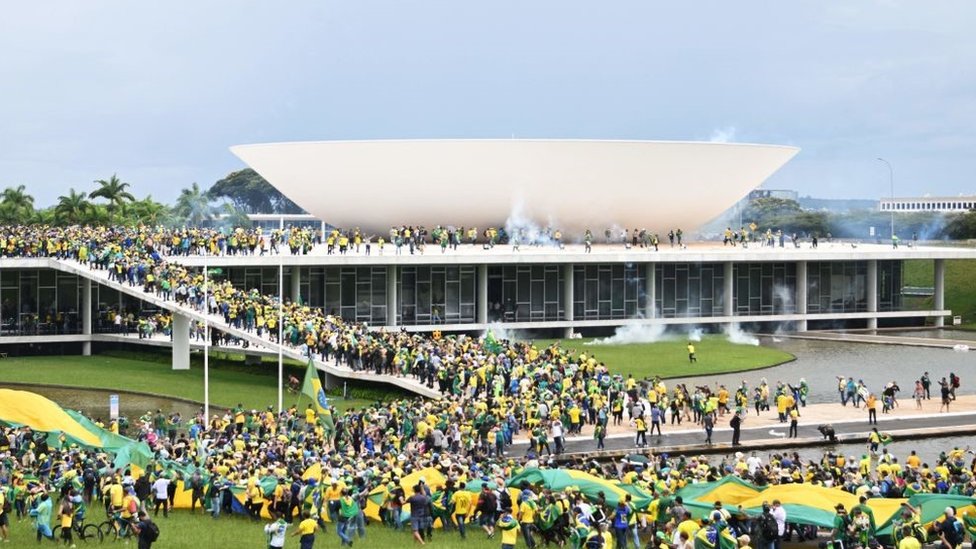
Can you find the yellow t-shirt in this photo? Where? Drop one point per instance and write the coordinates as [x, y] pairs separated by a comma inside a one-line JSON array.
[[527, 512], [510, 536], [462, 502], [116, 494], [66, 520], [307, 526], [909, 542]]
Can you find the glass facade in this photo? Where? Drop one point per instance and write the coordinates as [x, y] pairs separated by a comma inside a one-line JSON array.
[[437, 295], [611, 291], [764, 288], [689, 289], [837, 286], [523, 293], [46, 301], [356, 293], [39, 302], [889, 285]]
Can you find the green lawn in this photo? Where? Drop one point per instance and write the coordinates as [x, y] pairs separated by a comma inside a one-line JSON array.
[[670, 358], [960, 293], [231, 381], [184, 531]]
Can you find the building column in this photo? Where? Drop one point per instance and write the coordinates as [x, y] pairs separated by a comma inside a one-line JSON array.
[[568, 298], [296, 284], [650, 291], [482, 304], [801, 296], [392, 299], [729, 294], [872, 293], [86, 315], [939, 288], [181, 342]]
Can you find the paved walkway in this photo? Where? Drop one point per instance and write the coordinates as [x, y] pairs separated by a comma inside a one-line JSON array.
[[766, 430], [882, 339]]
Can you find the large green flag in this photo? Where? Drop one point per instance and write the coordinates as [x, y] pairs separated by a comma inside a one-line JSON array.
[[491, 344], [313, 389]]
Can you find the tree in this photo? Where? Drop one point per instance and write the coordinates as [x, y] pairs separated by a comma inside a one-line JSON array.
[[73, 208], [251, 193], [193, 206], [233, 217], [961, 226], [16, 206], [115, 192], [149, 212]]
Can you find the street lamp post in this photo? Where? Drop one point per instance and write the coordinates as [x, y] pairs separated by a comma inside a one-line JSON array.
[[891, 206]]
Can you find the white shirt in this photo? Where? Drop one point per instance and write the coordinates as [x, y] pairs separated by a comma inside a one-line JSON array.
[[754, 462], [780, 515], [557, 428], [276, 531], [160, 487]]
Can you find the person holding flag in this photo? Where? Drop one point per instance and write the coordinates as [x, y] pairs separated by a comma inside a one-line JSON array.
[[312, 388]]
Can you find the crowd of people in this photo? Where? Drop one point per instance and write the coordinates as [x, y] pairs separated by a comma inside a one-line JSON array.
[[362, 455], [495, 392]]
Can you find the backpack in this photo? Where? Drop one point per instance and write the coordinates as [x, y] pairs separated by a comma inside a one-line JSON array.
[[955, 381], [768, 528], [152, 532]]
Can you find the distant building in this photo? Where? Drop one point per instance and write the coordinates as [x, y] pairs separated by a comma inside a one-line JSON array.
[[784, 194], [940, 204]]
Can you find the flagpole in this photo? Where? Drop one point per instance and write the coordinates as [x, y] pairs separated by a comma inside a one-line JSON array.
[[206, 345], [281, 317]]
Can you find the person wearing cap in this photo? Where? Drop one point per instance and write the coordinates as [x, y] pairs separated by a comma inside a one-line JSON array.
[[950, 529], [509, 527], [841, 532]]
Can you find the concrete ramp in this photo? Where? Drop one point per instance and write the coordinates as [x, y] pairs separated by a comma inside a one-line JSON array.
[[101, 277]]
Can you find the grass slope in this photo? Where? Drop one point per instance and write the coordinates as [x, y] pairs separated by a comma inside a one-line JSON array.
[[185, 531], [669, 358], [231, 381], [960, 292]]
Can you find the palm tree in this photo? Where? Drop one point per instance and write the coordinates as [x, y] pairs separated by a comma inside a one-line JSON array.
[[149, 212], [193, 206], [17, 205], [73, 207], [114, 191]]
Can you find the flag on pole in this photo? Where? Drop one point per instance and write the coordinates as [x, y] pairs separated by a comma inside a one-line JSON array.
[[313, 389]]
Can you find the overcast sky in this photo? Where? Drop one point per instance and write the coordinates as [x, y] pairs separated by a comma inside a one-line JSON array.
[[158, 91]]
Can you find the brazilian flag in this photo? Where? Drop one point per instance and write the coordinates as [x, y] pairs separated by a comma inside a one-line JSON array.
[[492, 345], [313, 389]]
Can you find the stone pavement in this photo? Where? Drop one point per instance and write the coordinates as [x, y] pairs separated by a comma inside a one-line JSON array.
[[850, 424]]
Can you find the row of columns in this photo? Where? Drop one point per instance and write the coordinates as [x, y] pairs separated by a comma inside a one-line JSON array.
[[181, 324]]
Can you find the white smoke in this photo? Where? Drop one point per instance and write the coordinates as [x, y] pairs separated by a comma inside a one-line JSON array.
[[734, 334], [695, 334], [723, 135], [633, 333], [500, 332], [520, 225]]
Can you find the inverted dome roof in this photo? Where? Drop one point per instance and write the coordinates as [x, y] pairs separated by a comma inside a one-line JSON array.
[[569, 184]]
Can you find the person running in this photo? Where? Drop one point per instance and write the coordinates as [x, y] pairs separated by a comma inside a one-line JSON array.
[[691, 352]]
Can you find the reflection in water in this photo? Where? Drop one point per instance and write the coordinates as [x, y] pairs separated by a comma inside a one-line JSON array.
[[820, 362], [928, 449], [94, 402]]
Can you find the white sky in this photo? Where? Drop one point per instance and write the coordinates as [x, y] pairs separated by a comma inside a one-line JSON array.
[[157, 92]]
